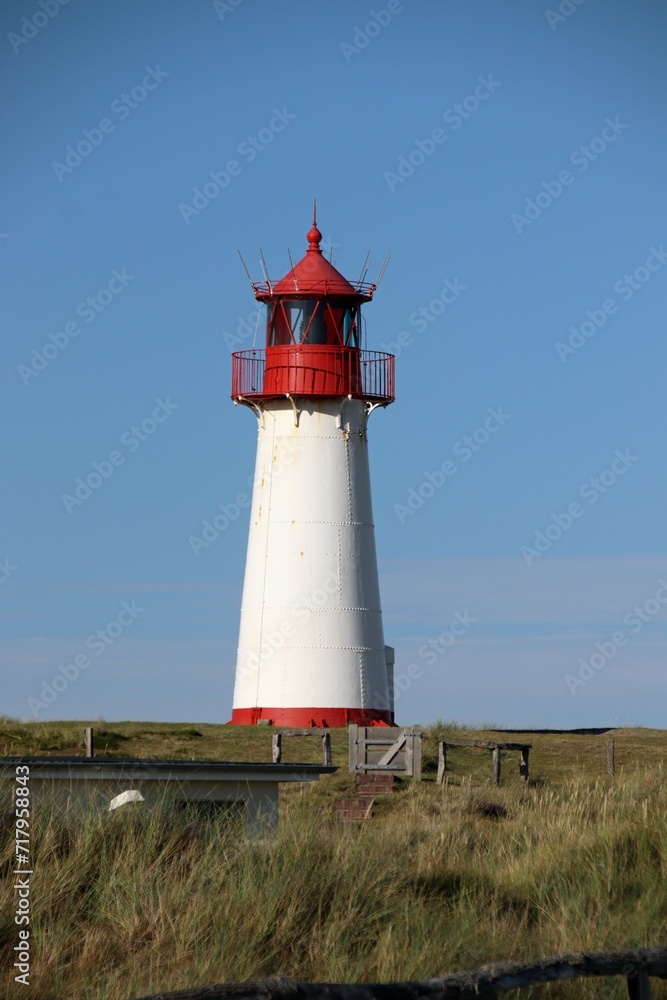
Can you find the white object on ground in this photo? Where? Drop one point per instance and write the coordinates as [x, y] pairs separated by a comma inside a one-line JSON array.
[[130, 796]]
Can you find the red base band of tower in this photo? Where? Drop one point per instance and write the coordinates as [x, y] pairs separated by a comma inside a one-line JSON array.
[[309, 718]]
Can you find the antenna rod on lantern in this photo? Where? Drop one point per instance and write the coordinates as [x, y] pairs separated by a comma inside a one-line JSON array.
[[364, 269], [291, 264], [246, 270], [264, 271], [382, 269]]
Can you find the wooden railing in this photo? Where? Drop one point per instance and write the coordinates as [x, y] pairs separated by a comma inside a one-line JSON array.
[[636, 966]]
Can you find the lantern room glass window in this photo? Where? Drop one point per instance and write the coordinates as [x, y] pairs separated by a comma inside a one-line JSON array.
[[351, 321], [312, 321]]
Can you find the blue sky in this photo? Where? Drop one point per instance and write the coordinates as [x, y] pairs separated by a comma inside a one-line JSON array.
[[511, 158]]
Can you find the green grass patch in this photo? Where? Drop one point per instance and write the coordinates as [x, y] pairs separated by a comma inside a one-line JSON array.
[[143, 900]]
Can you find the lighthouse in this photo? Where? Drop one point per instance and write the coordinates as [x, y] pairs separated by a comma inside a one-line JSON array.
[[311, 646]]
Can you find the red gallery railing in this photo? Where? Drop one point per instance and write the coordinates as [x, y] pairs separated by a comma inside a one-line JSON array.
[[313, 370]]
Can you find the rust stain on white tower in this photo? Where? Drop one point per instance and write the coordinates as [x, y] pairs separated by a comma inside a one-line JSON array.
[[311, 644]]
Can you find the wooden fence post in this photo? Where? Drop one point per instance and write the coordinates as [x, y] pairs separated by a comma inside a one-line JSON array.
[[442, 761], [354, 750], [326, 749], [496, 765], [417, 754], [523, 766], [611, 768], [409, 754], [277, 747], [639, 985], [88, 737]]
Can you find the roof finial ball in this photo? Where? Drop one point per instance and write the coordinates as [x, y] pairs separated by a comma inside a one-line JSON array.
[[314, 236]]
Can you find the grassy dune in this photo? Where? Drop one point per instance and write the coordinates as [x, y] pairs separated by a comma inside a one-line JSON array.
[[126, 904]]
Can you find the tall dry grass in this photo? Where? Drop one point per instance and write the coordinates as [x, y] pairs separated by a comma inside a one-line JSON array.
[[128, 903]]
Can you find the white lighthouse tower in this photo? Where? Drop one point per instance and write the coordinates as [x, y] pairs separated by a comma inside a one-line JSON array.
[[311, 646]]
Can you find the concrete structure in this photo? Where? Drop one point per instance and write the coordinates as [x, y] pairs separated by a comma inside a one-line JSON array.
[[311, 645], [70, 781]]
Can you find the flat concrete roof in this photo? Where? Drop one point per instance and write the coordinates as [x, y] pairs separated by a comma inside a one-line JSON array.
[[71, 780], [148, 768]]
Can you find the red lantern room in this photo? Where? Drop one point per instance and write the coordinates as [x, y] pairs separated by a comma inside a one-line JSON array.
[[313, 337]]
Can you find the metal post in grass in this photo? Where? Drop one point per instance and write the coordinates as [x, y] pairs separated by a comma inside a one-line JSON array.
[[88, 738], [611, 766], [277, 747], [326, 749]]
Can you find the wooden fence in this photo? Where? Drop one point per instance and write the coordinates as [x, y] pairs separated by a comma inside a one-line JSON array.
[[636, 966], [277, 743], [495, 749]]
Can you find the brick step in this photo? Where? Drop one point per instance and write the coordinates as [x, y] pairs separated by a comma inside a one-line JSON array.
[[376, 776], [353, 810], [349, 815], [365, 785], [356, 803]]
